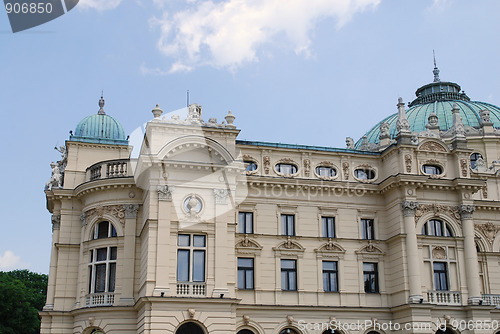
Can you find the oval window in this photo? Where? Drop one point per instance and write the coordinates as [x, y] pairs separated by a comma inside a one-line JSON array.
[[250, 166], [432, 169], [473, 159], [324, 171], [364, 174], [286, 169]]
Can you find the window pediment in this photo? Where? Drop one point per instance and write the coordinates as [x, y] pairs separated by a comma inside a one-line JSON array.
[[330, 249], [289, 247], [248, 246]]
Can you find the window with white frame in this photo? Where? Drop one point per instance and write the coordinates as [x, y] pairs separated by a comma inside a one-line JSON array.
[[368, 229], [440, 275], [191, 254], [102, 269], [330, 276], [437, 228], [289, 275], [245, 222], [328, 224], [287, 224], [103, 230]]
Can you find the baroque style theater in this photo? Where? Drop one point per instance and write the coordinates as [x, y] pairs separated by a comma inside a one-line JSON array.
[[201, 233]]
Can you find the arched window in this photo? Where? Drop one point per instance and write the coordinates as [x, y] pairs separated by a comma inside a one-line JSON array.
[[288, 331], [103, 230], [245, 331], [437, 228], [189, 328]]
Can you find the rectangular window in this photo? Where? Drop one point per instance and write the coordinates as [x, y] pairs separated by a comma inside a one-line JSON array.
[[288, 225], [289, 275], [440, 276], [102, 270], [245, 222], [245, 273], [330, 276], [368, 229], [370, 276], [191, 258], [328, 227]]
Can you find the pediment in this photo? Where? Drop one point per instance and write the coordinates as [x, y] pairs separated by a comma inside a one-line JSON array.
[[289, 245], [330, 247], [370, 249], [433, 146], [248, 243]]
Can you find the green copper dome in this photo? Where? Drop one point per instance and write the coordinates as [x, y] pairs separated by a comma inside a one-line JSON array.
[[437, 97], [99, 129]]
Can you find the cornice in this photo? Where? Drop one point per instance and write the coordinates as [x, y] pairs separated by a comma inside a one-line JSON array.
[[103, 185]]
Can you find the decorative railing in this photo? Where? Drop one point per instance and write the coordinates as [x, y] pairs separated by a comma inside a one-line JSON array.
[[191, 289], [491, 300], [100, 299], [439, 96], [108, 169], [444, 297]]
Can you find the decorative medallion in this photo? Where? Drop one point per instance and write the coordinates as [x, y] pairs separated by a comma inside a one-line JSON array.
[[438, 252]]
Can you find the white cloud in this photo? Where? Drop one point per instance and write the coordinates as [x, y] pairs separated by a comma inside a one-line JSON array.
[[438, 5], [99, 4], [9, 260], [229, 33]]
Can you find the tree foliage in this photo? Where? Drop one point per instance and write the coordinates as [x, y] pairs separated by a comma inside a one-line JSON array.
[[22, 295]]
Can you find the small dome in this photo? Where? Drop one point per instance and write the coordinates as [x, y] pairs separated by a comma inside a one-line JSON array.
[[100, 129], [437, 97]]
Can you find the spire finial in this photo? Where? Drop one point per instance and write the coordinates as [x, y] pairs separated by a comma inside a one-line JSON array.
[[101, 105], [436, 70]]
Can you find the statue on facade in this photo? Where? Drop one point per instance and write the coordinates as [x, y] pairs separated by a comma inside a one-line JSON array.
[[56, 178], [349, 143]]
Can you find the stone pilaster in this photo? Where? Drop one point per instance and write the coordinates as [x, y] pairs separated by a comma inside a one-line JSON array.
[[221, 253], [412, 259], [51, 285], [471, 265], [127, 296], [164, 242]]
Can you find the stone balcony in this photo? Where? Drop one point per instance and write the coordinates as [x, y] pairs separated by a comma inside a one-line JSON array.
[[191, 289], [493, 300], [439, 297], [108, 169], [100, 299]]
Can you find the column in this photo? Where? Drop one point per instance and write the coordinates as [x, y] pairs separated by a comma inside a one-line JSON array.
[[164, 246], [221, 196], [471, 265], [128, 261], [413, 263], [51, 286]]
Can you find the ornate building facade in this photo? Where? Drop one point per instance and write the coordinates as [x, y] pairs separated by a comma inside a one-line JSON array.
[[203, 233]]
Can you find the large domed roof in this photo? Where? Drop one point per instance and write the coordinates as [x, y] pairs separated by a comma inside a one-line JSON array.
[[437, 97], [99, 129]]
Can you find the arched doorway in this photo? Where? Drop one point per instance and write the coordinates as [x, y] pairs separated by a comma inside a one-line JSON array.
[[245, 331], [189, 328]]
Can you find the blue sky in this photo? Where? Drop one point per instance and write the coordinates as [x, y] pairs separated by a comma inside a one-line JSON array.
[[304, 71]]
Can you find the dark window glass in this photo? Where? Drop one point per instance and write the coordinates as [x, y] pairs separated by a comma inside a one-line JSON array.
[[100, 278], [364, 174], [286, 169], [183, 265], [245, 222], [250, 166], [245, 331], [330, 276], [288, 331], [102, 230], [113, 253], [326, 171], [288, 225], [328, 227], [198, 266], [199, 241], [289, 275], [184, 240], [440, 276], [245, 273], [370, 276], [111, 277], [367, 229], [432, 169], [102, 254]]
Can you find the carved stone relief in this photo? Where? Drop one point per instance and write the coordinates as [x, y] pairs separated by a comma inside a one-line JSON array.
[[408, 160], [437, 209], [432, 146], [116, 211], [463, 167], [267, 163], [345, 168], [489, 230], [438, 252]]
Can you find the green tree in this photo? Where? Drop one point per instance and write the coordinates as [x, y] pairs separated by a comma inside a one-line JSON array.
[[22, 295]]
